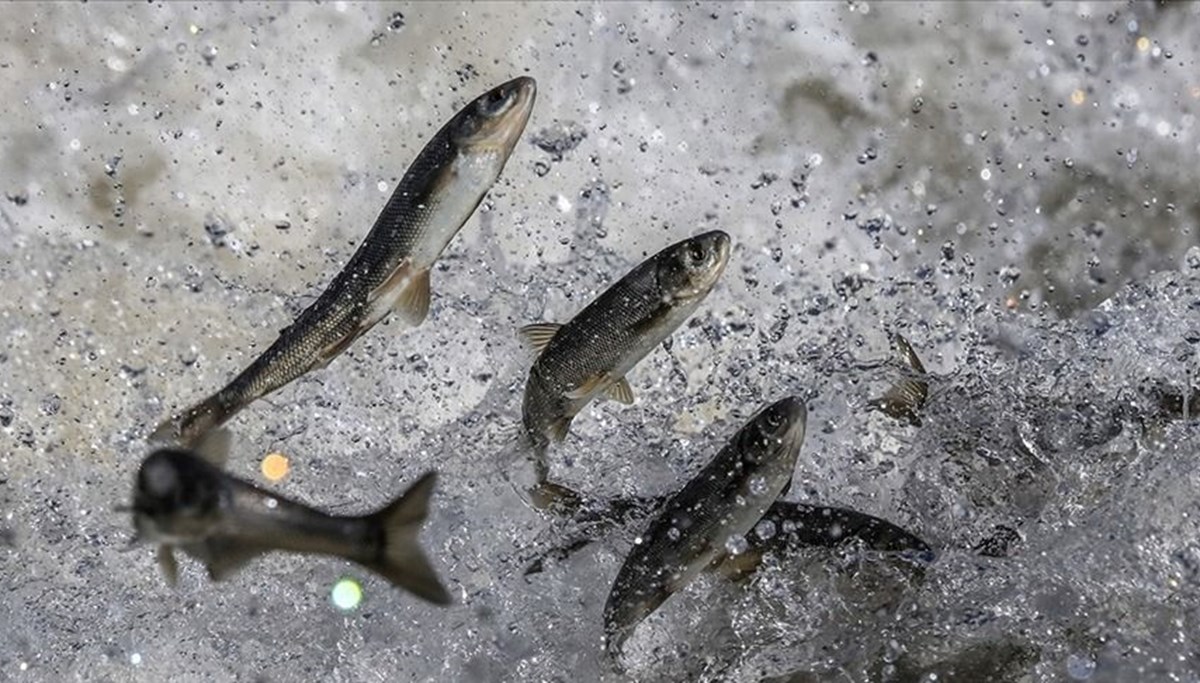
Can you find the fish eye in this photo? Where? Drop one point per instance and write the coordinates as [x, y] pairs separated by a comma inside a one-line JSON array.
[[774, 420], [696, 253], [159, 479], [494, 102]]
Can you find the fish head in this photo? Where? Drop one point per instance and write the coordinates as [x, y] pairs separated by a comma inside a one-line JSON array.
[[776, 432], [495, 120], [176, 494], [689, 269]]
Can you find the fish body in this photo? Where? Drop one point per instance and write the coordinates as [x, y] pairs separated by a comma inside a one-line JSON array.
[[182, 501], [799, 524], [590, 355], [724, 501], [390, 270]]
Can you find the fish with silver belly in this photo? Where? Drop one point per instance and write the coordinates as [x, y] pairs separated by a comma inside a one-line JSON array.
[[183, 501], [590, 355], [723, 502], [390, 270]]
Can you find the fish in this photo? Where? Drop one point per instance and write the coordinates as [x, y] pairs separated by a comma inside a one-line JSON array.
[[694, 530], [390, 270], [799, 524], [591, 355], [183, 500], [905, 399]]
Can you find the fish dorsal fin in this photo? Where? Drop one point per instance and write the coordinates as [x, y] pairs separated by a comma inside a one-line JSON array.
[[538, 335], [166, 562], [223, 556], [620, 391], [405, 291], [213, 446]]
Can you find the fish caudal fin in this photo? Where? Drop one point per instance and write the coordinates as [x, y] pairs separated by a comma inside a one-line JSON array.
[[401, 560], [406, 291], [190, 427]]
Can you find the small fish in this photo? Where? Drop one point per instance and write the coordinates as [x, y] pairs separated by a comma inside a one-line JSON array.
[[723, 502], [798, 524], [183, 501], [390, 270], [591, 354], [906, 397]]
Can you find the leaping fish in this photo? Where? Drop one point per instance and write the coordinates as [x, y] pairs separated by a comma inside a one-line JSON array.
[[183, 501], [390, 270], [725, 501], [590, 355]]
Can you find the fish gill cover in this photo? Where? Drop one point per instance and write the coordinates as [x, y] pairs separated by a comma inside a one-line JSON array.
[[1010, 187]]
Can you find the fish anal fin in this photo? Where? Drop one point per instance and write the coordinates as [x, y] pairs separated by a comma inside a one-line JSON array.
[[166, 562], [401, 559], [620, 391], [405, 291], [538, 335]]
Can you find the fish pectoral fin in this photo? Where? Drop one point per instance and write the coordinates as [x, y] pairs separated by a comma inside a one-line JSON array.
[[405, 291], [737, 567], [335, 349], [538, 335], [223, 556], [166, 562], [213, 446], [620, 391], [588, 387]]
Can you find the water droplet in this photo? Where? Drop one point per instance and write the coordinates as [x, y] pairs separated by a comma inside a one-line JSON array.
[[736, 545], [396, 21]]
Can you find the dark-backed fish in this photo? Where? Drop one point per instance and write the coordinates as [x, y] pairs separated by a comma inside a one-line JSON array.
[[789, 525], [390, 270], [591, 354], [694, 530], [182, 501], [904, 399]]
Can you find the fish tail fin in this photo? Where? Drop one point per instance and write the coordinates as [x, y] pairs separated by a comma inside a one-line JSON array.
[[188, 427], [401, 559]]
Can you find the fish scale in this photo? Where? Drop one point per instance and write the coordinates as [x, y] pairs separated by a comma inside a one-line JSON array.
[[725, 500], [596, 349], [390, 270]]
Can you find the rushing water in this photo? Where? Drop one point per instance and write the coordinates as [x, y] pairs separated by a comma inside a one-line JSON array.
[[1012, 187]]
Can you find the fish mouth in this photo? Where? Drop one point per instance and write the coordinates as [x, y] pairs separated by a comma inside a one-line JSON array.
[[501, 130], [797, 416]]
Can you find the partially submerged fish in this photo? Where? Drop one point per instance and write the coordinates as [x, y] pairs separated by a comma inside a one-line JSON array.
[[390, 270], [722, 503], [906, 397], [182, 501], [590, 355], [798, 524]]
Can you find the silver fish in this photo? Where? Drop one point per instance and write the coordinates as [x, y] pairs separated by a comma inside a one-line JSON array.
[[904, 399], [183, 501], [591, 354], [723, 502], [390, 270]]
